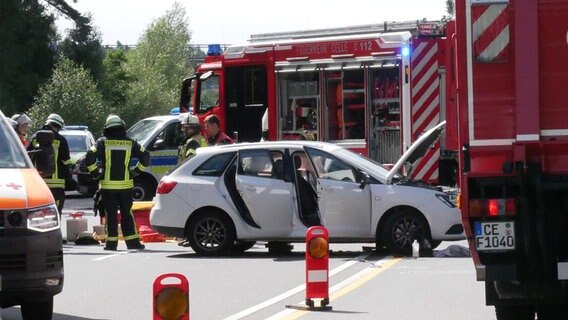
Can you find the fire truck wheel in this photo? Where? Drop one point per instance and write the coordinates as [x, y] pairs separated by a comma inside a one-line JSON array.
[[242, 246], [514, 313], [401, 229], [211, 233], [37, 310]]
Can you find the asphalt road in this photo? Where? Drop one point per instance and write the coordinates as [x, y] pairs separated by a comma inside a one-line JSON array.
[[259, 285]]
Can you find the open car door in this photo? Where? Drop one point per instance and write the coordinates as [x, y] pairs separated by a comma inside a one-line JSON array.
[[268, 198]]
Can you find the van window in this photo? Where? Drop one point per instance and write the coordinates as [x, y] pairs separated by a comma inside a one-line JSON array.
[[12, 155]]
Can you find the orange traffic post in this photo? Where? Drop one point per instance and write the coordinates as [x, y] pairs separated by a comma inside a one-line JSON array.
[[171, 297], [317, 267]]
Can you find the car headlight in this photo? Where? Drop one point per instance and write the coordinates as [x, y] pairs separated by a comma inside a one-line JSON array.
[[447, 199], [43, 219]]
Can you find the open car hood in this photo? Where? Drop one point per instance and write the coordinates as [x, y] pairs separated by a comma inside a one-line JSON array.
[[418, 149]]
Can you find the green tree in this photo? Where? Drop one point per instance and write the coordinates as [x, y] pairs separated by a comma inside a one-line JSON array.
[[27, 52], [158, 65], [115, 83], [71, 93], [450, 7], [83, 46]]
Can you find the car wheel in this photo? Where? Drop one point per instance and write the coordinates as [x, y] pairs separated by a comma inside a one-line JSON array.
[[143, 190], [401, 229], [211, 234], [515, 313], [242, 245], [37, 310]]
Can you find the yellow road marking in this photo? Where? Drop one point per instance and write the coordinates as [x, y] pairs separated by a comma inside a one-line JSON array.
[[363, 278]]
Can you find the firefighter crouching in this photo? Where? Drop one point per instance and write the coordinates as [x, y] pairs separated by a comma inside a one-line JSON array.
[[192, 140], [114, 151]]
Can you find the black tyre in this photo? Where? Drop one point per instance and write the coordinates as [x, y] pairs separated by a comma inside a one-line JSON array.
[[37, 310], [552, 312], [242, 246], [211, 234], [514, 312], [143, 190], [401, 229]]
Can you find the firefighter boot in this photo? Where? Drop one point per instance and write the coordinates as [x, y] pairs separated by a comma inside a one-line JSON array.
[[134, 244], [111, 245]]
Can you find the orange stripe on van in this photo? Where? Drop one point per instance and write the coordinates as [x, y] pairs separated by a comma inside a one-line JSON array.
[[12, 203], [38, 192]]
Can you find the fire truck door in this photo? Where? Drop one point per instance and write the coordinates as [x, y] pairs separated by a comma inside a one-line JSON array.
[[246, 101]]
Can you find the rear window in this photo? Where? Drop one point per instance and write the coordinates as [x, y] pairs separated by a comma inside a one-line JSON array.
[[77, 143], [12, 154], [214, 166]]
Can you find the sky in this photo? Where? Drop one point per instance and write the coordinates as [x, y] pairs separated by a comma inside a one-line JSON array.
[[230, 22]]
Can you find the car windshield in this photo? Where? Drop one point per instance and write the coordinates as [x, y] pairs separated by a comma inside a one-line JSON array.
[[143, 130], [370, 166], [77, 143], [12, 153]]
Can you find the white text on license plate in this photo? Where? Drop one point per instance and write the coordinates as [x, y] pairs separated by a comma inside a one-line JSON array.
[[494, 235]]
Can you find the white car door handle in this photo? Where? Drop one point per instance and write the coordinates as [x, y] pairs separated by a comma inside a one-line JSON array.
[[331, 188]]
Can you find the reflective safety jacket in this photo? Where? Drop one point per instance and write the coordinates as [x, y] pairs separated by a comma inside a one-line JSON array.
[[115, 155], [188, 146], [62, 160]]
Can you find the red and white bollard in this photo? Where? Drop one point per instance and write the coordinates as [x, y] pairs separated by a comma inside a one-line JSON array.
[[317, 267], [171, 298]]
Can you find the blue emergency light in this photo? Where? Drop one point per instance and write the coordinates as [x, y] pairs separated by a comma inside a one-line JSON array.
[[405, 51], [214, 50]]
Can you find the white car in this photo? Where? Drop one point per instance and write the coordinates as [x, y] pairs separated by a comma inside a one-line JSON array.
[[228, 196]]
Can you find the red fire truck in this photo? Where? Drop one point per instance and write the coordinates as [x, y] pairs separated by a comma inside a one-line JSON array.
[[373, 89], [513, 136]]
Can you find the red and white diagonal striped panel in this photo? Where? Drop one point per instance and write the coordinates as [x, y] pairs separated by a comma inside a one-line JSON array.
[[425, 102], [490, 32], [427, 168]]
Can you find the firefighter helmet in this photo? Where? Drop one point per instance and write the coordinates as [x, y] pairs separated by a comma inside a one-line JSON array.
[[55, 119], [113, 121], [22, 118], [189, 120]]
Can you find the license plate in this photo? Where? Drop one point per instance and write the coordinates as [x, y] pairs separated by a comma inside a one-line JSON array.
[[492, 236]]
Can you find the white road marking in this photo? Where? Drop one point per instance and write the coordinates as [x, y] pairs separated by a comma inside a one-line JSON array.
[[338, 286], [293, 291], [110, 256]]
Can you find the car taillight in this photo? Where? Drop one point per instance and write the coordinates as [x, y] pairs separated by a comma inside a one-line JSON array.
[[492, 207], [165, 186]]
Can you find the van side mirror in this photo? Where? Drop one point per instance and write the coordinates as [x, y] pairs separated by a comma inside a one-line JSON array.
[[364, 179], [159, 144], [43, 156]]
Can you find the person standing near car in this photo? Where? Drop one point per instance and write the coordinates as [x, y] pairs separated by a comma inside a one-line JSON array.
[[23, 123], [115, 151], [193, 139], [56, 181], [214, 134]]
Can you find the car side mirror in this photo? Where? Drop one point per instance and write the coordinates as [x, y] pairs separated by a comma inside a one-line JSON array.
[[364, 179], [159, 144]]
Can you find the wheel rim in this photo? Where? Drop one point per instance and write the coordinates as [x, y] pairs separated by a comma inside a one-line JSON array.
[[138, 193], [407, 230], [210, 234]]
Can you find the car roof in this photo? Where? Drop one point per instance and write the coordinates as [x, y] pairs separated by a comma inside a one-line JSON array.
[[74, 132], [330, 147]]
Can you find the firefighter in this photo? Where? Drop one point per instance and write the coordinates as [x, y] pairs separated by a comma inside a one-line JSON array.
[[23, 123], [62, 175], [214, 134], [115, 151], [192, 140]]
